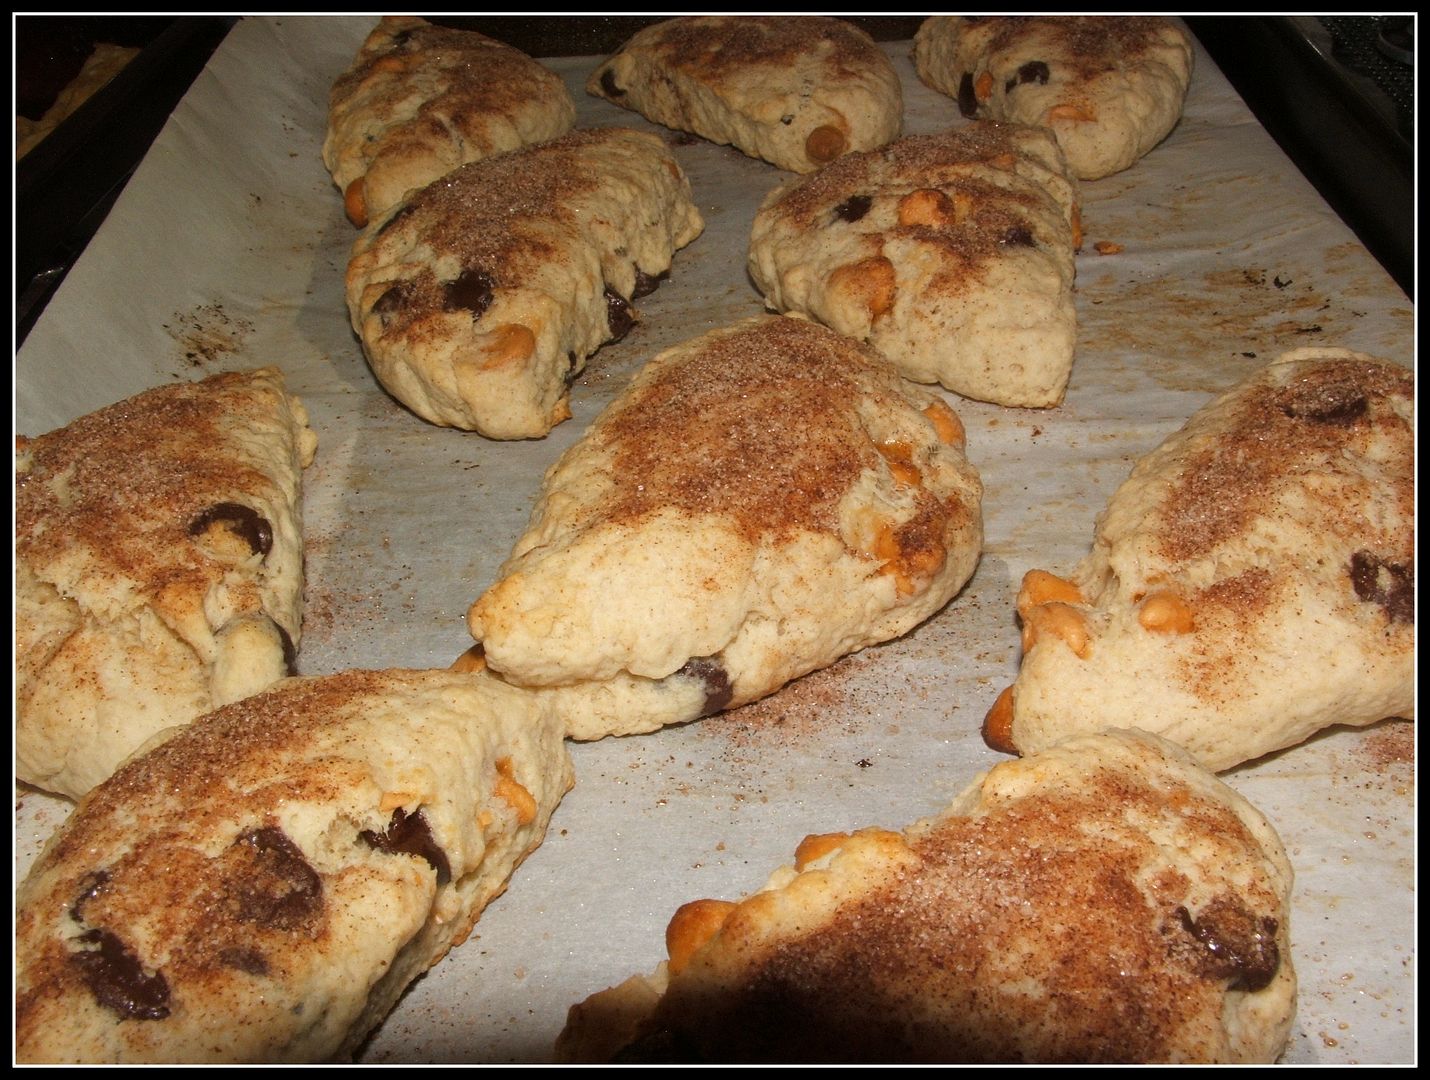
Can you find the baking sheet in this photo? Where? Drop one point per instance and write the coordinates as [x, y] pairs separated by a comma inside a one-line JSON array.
[[227, 250]]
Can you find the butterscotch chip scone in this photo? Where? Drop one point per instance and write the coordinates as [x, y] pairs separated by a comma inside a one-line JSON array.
[[420, 100], [1109, 87], [1250, 583], [952, 254], [262, 886], [759, 502], [158, 568], [479, 298], [796, 91], [1105, 901]]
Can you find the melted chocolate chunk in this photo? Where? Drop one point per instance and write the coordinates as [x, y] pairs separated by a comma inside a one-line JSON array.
[[243, 521], [290, 654], [967, 99], [645, 284], [410, 835], [718, 690], [117, 980], [401, 212], [1019, 236], [608, 84], [1236, 945], [1034, 71], [472, 290], [618, 315], [90, 886], [787, 119], [573, 369], [273, 885], [1391, 585], [1338, 410], [853, 208], [250, 960]]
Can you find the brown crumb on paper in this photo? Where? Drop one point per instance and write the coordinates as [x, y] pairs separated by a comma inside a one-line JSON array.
[[207, 333], [1107, 247]]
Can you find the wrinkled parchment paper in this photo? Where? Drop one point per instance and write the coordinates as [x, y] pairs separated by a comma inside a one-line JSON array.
[[227, 250]]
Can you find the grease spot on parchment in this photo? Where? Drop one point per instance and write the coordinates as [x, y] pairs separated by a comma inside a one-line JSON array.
[[207, 333]]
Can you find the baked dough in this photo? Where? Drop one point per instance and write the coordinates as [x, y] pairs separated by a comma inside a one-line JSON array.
[[796, 91], [759, 502], [262, 886], [420, 100], [479, 299], [1250, 583], [158, 568], [1104, 901], [1109, 87], [952, 254]]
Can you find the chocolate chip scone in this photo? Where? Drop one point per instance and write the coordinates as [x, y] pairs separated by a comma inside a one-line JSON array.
[[1109, 87], [479, 298], [759, 502], [262, 886], [158, 568], [1104, 901], [952, 254], [420, 100], [797, 91], [1250, 583]]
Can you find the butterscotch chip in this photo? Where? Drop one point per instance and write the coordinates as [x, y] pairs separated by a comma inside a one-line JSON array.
[[479, 298], [759, 502], [1253, 579], [797, 92], [951, 254], [158, 568], [421, 100], [264, 885], [1109, 87], [1104, 901]]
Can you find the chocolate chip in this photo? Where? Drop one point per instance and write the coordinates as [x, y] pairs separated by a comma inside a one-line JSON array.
[[1235, 944], [646, 284], [573, 369], [472, 290], [1339, 406], [718, 690], [608, 84], [618, 315], [967, 100], [409, 834], [272, 884], [1034, 71], [1019, 236], [853, 208], [244, 959], [1391, 585], [243, 521], [117, 979], [787, 119], [390, 302], [90, 886], [290, 654]]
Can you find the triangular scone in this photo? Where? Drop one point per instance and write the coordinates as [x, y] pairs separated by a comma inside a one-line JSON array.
[[759, 502], [795, 91], [1251, 582], [1109, 87], [951, 254], [262, 886], [1105, 901], [158, 568], [479, 298], [420, 100]]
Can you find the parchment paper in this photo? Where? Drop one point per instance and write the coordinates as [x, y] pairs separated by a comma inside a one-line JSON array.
[[227, 250]]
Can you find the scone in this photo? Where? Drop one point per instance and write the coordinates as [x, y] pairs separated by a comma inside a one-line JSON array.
[[1104, 901], [952, 254], [1250, 583], [420, 100], [479, 298], [1109, 87], [760, 501], [158, 568], [796, 91], [262, 886]]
